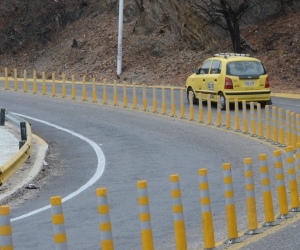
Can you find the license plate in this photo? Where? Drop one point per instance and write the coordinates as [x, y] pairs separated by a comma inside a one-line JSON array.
[[210, 86], [249, 83]]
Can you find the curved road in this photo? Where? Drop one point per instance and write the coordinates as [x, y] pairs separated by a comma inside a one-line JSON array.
[[136, 146]]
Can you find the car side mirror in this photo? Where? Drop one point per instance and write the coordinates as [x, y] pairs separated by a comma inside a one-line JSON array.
[[196, 71]]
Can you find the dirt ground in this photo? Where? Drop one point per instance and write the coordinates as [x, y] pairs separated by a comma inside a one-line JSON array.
[[89, 48]]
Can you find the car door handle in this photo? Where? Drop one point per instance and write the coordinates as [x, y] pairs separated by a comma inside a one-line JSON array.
[[215, 80], [203, 80]]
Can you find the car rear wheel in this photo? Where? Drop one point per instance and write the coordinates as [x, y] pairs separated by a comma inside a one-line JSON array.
[[189, 93], [222, 101]]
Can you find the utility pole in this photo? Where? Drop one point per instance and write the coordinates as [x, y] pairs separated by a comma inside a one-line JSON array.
[[119, 57]]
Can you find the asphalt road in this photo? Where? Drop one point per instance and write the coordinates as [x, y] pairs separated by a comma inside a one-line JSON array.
[[136, 146]]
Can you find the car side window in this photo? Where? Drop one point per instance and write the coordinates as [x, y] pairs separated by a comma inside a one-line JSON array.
[[205, 67], [216, 67]]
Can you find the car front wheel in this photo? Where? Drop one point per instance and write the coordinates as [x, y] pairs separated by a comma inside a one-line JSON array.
[[191, 93]]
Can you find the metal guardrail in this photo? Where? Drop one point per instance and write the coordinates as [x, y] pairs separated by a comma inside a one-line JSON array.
[[18, 159]]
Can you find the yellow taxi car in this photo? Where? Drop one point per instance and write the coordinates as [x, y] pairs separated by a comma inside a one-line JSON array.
[[230, 76]]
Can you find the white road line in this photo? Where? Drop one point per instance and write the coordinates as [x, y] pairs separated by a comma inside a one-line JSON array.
[[96, 176]]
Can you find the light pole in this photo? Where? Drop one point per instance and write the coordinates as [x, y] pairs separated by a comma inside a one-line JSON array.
[[119, 57]]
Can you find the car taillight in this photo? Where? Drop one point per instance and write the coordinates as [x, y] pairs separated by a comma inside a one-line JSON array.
[[267, 83], [228, 83]]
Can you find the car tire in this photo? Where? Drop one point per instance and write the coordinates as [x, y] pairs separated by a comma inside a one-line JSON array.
[[222, 101], [263, 104], [191, 92]]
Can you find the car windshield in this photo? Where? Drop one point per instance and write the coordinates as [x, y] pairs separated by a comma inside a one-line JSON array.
[[240, 68]]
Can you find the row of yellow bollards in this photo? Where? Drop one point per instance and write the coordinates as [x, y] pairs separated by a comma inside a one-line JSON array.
[[60, 236]]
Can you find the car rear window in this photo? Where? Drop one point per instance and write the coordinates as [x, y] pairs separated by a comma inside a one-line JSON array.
[[241, 68]]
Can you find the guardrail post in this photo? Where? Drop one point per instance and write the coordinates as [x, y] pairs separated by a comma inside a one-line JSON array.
[[134, 98], [266, 192], [173, 106], [63, 90], [181, 104], [6, 240], [179, 227], [104, 91], [201, 118], [219, 114], [253, 122], [163, 101], [288, 128], [25, 80], [294, 130], [53, 85], [6, 79], [16, 80], [44, 87], [294, 193], [191, 108], [107, 242], [228, 125], [236, 115], [73, 88], [23, 131], [144, 98], [2, 117], [207, 220], [145, 218], [281, 189], [259, 122], [298, 127], [58, 221], [250, 200], [230, 206], [83, 89], [245, 118], [115, 93], [154, 99], [209, 112], [34, 82], [274, 125], [268, 123], [281, 128], [124, 95]]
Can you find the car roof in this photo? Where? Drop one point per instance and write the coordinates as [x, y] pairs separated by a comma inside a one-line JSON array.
[[234, 57]]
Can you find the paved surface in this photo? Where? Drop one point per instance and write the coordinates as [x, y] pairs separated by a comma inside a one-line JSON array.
[[9, 144]]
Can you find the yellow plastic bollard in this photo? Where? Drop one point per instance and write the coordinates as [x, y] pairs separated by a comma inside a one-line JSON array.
[[259, 122], [230, 206], [201, 118], [245, 118], [83, 89], [34, 82], [207, 220], [94, 91], [250, 200], [16, 87], [145, 217], [115, 93], [236, 114], [58, 221], [294, 193], [73, 88], [107, 242], [44, 86], [179, 227], [145, 108], [53, 85], [294, 130], [163, 101], [298, 159], [63, 89], [191, 108], [125, 105], [154, 100], [268, 123], [209, 112], [281, 189], [274, 125], [104, 91], [288, 128], [298, 127], [6, 79], [6, 240], [25, 81], [134, 98], [219, 114], [182, 116], [266, 192], [227, 114], [281, 128], [252, 118], [173, 106]]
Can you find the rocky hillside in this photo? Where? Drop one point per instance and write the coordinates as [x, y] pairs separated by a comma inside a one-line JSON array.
[[162, 44]]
